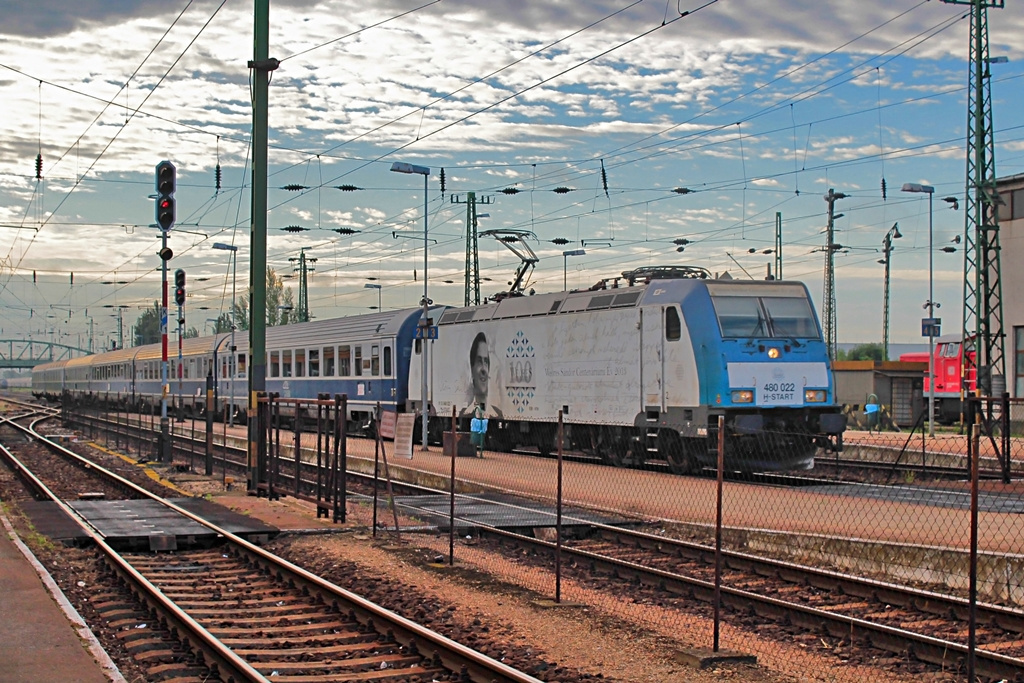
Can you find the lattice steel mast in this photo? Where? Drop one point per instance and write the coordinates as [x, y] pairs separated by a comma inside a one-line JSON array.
[[983, 305], [472, 246], [829, 296]]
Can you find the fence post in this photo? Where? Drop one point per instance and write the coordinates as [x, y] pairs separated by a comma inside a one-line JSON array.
[[340, 457], [451, 494], [972, 636], [210, 403], [376, 468], [323, 469], [1004, 418], [558, 514], [718, 530], [297, 443]]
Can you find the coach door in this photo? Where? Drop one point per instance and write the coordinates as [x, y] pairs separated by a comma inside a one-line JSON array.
[[652, 359]]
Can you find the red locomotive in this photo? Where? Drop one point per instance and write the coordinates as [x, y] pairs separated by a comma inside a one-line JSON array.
[[946, 370]]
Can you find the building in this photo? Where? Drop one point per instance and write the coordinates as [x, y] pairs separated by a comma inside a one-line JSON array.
[[1011, 243]]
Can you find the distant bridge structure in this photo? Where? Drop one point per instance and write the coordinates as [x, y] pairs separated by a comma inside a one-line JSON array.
[[27, 353]]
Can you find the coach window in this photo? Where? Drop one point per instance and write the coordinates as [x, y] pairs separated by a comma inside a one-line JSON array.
[[358, 361], [328, 361], [275, 364], [300, 362], [673, 326], [314, 362], [286, 363], [387, 361], [375, 360], [344, 361]]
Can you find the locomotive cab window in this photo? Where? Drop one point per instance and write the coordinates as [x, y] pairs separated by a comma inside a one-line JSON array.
[[791, 317], [673, 325], [780, 315]]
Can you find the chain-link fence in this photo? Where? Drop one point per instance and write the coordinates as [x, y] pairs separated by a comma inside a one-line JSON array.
[[896, 558]]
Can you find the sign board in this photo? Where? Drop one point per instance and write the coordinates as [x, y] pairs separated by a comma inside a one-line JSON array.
[[387, 424], [426, 332], [404, 427], [931, 327]]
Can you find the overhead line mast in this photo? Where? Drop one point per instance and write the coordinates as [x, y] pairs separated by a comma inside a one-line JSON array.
[[983, 305]]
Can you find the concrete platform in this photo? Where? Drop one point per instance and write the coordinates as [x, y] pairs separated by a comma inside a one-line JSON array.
[[42, 637], [497, 510]]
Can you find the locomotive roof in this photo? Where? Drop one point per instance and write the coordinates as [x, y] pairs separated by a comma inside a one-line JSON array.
[[611, 296]]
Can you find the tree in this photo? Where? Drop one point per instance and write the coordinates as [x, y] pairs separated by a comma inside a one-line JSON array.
[[147, 327], [861, 352], [222, 324], [280, 303]]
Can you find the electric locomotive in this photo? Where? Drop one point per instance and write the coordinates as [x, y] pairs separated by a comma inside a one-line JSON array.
[[642, 366]]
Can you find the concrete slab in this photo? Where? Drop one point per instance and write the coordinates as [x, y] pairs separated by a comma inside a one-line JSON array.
[[136, 521], [498, 510], [705, 658]]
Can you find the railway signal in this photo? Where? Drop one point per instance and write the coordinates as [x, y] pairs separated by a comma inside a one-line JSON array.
[[166, 182], [179, 287]]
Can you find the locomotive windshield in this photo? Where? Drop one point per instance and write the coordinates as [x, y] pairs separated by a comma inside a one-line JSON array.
[[745, 315]]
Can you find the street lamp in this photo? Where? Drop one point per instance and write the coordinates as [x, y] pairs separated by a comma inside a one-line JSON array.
[[893, 234], [373, 285], [565, 261], [232, 360], [930, 305], [402, 167]]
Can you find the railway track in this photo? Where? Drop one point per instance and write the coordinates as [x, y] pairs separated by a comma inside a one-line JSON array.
[[236, 612], [930, 627]]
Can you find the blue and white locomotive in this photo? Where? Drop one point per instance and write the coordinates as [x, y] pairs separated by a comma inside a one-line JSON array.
[[640, 366]]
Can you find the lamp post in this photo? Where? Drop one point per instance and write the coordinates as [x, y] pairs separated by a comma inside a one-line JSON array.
[[402, 167], [232, 360], [930, 305], [565, 262], [893, 234], [372, 285]]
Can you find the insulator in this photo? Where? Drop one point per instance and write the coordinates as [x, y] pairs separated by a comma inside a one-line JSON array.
[[883, 189], [346, 188], [294, 187], [294, 228], [442, 181], [39, 167], [217, 177], [511, 190], [604, 179], [562, 190], [560, 241]]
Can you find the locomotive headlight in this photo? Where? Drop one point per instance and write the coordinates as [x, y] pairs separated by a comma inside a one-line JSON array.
[[774, 353], [743, 396], [814, 395]]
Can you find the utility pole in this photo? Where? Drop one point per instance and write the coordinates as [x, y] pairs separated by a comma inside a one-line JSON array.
[[261, 66], [983, 306], [829, 297], [472, 246], [303, 269], [778, 245], [894, 233]]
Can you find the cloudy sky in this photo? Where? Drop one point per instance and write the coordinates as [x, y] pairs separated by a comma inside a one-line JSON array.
[[594, 112]]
